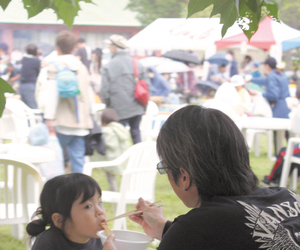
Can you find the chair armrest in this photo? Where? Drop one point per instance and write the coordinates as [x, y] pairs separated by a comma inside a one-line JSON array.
[[88, 167], [139, 170]]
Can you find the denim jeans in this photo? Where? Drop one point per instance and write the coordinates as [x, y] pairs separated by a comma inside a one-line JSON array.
[[27, 92], [76, 150], [134, 123]]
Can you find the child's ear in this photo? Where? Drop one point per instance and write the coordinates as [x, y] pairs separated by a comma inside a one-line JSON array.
[[57, 220]]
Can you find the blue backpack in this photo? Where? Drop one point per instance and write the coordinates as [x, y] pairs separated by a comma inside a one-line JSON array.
[[67, 82], [67, 85]]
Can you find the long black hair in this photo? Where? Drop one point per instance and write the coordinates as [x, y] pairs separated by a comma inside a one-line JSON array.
[[211, 148], [58, 196]]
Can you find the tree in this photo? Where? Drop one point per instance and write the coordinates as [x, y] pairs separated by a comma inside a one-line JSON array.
[[149, 10], [289, 12], [247, 12]]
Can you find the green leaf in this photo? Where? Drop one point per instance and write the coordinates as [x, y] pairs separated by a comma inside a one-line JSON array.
[[228, 12], [5, 87], [67, 11], [272, 9], [253, 5], [237, 5], [249, 17], [4, 3], [195, 6], [35, 7]]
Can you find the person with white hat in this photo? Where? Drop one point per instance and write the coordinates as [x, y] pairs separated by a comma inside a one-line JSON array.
[[118, 85], [239, 83]]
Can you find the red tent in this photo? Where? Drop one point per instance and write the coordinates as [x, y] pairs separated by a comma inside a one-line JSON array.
[[263, 38]]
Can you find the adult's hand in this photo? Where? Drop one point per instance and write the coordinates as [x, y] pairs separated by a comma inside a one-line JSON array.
[[152, 219], [50, 126], [109, 243]]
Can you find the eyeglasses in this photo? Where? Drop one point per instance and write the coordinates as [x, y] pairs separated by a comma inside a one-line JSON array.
[[161, 168]]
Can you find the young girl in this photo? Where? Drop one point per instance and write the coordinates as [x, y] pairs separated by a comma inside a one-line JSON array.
[[71, 205]]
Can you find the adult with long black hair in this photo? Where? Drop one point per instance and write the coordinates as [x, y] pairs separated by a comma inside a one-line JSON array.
[[206, 160]]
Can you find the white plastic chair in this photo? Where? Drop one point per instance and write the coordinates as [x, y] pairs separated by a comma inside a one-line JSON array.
[[288, 160], [17, 119], [253, 137], [151, 125], [138, 178], [20, 187]]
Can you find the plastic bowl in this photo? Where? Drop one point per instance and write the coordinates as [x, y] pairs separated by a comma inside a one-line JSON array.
[[126, 239]]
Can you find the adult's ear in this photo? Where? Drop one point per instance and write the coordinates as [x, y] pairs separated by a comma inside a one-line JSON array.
[[185, 179], [57, 220]]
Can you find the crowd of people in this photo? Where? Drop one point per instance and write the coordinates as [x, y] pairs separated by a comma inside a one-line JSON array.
[[207, 162], [240, 87], [249, 93]]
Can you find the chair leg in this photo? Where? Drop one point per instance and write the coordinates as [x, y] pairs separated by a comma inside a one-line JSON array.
[[270, 145], [294, 179], [257, 144], [121, 208], [287, 164], [249, 134], [18, 231], [120, 224]]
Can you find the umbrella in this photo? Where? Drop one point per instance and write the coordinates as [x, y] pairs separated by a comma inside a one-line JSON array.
[[152, 61], [218, 58], [45, 48], [172, 67], [254, 86], [183, 56], [205, 87], [210, 84]]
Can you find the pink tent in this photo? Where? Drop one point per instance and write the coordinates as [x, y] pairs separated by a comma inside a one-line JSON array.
[[269, 33]]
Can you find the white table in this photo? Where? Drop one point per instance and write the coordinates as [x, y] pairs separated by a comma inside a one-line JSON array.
[[27, 153], [274, 124]]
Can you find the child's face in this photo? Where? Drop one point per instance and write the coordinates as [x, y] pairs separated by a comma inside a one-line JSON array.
[[85, 219]]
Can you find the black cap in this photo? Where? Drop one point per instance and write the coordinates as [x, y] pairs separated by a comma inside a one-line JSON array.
[[271, 61]]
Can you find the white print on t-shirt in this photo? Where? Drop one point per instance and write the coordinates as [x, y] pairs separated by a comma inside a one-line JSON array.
[[267, 229]]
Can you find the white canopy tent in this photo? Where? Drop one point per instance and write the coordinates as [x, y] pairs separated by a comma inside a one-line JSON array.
[[200, 34], [181, 34]]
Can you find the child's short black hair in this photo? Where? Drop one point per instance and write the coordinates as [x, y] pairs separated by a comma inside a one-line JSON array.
[[32, 49], [109, 115]]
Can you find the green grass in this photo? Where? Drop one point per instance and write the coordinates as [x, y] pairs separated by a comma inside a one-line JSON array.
[[172, 204]]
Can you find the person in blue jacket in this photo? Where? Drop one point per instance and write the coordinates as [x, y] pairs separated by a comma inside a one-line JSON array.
[[277, 88], [159, 84]]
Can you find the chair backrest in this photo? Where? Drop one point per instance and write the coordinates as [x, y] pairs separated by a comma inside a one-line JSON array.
[[138, 178], [140, 174], [151, 125], [152, 108], [17, 120], [20, 187]]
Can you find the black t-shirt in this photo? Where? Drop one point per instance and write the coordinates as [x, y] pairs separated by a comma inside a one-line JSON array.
[[30, 69], [267, 219], [53, 239]]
